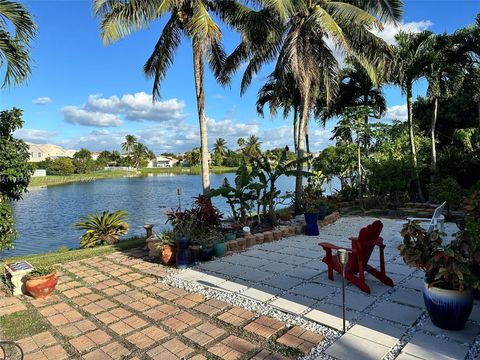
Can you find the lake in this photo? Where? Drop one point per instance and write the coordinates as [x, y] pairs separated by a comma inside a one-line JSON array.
[[45, 215]]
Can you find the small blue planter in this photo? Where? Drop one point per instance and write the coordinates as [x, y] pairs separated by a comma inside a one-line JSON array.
[[312, 227], [448, 309], [207, 253], [322, 212], [230, 236]]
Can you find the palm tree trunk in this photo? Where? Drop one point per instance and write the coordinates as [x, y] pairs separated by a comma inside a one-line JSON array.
[[478, 114], [412, 140], [359, 165], [433, 137], [198, 70], [295, 127], [302, 130]]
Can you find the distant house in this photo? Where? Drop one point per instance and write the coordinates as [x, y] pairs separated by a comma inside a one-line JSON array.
[[40, 152], [162, 162], [95, 155]]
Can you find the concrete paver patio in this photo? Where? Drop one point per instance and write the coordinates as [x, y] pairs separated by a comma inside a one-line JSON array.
[[288, 275]]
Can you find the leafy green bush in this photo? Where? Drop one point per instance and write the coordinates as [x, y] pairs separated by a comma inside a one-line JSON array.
[[102, 229], [448, 190], [463, 167], [60, 166], [390, 178]]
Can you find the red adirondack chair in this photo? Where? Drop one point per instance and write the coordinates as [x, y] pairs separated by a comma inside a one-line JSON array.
[[359, 254]]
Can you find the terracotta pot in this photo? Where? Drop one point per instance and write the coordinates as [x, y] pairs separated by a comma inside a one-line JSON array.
[[42, 286], [168, 254]]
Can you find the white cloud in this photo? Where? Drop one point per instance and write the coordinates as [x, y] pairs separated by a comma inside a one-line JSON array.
[[34, 135], [396, 112], [137, 107], [78, 116], [42, 100], [391, 29]]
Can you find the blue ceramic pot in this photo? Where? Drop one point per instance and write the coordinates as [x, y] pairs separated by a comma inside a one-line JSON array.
[[184, 254], [448, 309], [207, 253], [322, 212], [311, 228]]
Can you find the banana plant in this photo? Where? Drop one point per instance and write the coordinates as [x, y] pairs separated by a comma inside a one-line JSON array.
[[102, 229]]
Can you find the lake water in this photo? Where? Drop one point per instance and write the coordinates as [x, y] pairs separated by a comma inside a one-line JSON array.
[[45, 215]]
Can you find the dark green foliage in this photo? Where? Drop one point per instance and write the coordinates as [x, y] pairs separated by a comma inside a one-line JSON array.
[[59, 166], [15, 172], [390, 178], [463, 167], [102, 229], [447, 189]]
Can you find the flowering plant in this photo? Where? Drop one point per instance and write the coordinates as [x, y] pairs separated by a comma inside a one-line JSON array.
[[311, 198]]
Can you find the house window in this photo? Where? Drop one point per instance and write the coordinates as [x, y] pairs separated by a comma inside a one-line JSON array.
[[39, 155]]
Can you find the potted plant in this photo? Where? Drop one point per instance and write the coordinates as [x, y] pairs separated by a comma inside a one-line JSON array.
[[311, 200], [41, 281], [218, 244], [207, 247], [447, 290], [182, 223], [167, 247]]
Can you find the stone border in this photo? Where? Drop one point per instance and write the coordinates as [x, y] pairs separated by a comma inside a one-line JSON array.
[[281, 232]]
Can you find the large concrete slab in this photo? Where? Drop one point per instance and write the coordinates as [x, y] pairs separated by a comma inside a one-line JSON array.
[[429, 347], [350, 347], [400, 313]]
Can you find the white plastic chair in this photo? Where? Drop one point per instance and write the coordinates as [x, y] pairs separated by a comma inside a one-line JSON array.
[[437, 222]]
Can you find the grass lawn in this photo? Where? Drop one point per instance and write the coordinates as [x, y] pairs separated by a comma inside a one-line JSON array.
[[52, 180], [22, 324], [187, 170], [61, 257]]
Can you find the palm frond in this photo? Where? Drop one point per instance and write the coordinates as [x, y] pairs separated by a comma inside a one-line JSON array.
[[163, 54]]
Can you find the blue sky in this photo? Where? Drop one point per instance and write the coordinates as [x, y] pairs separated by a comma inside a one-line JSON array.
[[83, 94]]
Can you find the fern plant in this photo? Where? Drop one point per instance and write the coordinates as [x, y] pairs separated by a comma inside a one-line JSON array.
[[102, 229]]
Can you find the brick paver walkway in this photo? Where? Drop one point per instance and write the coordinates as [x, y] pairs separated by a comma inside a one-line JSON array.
[[116, 307]]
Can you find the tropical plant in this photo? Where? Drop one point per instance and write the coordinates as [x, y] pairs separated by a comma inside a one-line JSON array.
[[446, 189], [280, 92], [141, 154], [446, 266], [268, 172], [219, 151], [444, 75], [193, 157], [192, 19], [251, 147], [59, 166], [15, 172], [241, 195], [105, 228], [311, 199], [129, 145], [295, 36], [165, 238], [17, 30], [412, 58], [40, 271]]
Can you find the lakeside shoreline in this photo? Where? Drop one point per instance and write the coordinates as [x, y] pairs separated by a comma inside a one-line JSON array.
[[54, 180]]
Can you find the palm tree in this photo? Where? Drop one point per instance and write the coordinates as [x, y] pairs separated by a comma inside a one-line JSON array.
[[193, 157], [252, 147], [298, 39], [412, 58], [129, 145], [220, 150], [444, 75], [102, 229], [356, 89], [17, 30], [189, 18], [141, 154], [280, 92]]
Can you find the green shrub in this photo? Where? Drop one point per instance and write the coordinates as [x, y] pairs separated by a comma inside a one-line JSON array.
[[60, 166], [448, 190]]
